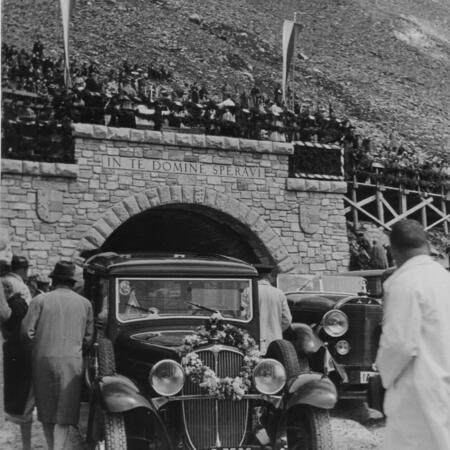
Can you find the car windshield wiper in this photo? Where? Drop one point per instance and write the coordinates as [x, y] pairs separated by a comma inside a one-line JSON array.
[[139, 308], [205, 308]]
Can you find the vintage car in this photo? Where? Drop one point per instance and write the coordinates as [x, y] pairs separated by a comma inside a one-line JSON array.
[[176, 365], [374, 279], [334, 320]]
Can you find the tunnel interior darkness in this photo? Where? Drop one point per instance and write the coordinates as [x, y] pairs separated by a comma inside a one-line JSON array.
[[188, 229]]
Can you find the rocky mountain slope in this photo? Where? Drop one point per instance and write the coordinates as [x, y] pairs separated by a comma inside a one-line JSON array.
[[385, 64]]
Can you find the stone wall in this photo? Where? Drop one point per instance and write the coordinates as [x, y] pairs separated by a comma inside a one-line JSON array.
[[56, 210]]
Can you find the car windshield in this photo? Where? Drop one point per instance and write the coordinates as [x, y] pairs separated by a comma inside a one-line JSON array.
[[154, 298]]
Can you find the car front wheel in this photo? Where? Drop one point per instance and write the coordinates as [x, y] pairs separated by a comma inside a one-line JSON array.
[[115, 435], [308, 428]]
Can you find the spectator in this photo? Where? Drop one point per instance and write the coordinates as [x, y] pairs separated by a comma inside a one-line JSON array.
[[274, 314], [58, 324], [414, 356]]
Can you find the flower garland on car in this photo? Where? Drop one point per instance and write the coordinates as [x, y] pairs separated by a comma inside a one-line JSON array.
[[215, 332]]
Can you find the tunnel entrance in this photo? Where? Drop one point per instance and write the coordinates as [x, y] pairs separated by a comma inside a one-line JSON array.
[[178, 228]]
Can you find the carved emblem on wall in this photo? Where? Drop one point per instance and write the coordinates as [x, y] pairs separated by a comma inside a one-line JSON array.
[[309, 217], [49, 205]]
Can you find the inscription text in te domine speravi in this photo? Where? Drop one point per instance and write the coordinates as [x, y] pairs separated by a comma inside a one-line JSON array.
[[182, 167]]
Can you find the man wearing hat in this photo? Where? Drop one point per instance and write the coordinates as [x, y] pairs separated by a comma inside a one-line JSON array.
[[14, 280], [274, 314], [58, 324], [19, 398]]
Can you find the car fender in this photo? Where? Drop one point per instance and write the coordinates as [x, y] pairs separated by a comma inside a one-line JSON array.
[[120, 394], [312, 389], [306, 340]]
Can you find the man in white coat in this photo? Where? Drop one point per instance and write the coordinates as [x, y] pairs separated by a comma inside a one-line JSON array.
[[274, 314], [414, 353]]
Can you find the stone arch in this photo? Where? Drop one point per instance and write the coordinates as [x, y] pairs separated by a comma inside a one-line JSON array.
[[155, 197]]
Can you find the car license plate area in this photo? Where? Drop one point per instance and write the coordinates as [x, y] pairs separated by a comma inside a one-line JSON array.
[[364, 376]]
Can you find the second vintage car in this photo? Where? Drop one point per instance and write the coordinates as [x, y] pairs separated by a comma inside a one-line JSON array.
[[336, 326], [176, 363]]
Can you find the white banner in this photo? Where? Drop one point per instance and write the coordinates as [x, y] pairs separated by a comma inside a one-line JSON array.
[[290, 33], [66, 8]]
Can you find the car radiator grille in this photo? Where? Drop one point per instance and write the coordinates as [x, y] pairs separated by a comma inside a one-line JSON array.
[[363, 335], [216, 423]]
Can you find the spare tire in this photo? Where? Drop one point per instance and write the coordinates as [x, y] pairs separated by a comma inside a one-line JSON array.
[[284, 352]]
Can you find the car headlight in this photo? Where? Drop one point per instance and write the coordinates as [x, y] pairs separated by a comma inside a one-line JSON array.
[[167, 377], [269, 376], [335, 323]]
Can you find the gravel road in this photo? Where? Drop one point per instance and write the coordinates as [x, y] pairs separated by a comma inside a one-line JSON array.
[[353, 429]]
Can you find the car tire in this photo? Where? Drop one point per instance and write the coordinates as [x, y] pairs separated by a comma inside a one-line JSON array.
[[284, 352], [115, 434], [106, 358], [309, 428]]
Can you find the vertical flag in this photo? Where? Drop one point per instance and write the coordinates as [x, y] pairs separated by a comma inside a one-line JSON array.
[[66, 9], [290, 33]]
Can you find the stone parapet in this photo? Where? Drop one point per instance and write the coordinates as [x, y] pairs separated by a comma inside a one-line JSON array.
[[313, 185], [36, 168], [89, 131]]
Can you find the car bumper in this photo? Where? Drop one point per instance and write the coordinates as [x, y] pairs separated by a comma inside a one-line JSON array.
[[159, 402]]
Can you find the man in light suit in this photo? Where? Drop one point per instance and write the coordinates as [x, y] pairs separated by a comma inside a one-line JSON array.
[[414, 353]]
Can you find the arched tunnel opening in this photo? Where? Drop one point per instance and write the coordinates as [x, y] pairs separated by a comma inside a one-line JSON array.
[[195, 229]]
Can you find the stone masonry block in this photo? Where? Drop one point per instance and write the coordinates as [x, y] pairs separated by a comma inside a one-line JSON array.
[[248, 145], [164, 194], [251, 218], [143, 201], [199, 194], [241, 212], [265, 146], [267, 235], [198, 140], [132, 206], [183, 139], [210, 198], [214, 141], [103, 228], [231, 143], [168, 138], [137, 135], [187, 194], [175, 192], [67, 170], [312, 185], [283, 148], [287, 265], [118, 134], [112, 219], [86, 245], [47, 169], [11, 166], [31, 167], [121, 212], [153, 136], [259, 226], [94, 237], [153, 197], [338, 187], [83, 130], [99, 131]]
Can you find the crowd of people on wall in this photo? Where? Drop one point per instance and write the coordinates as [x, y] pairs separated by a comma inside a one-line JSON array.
[[38, 109]]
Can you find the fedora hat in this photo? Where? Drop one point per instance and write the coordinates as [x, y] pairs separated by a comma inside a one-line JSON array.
[[264, 268], [19, 262], [64, 270]]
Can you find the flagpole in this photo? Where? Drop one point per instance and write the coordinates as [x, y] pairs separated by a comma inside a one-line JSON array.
[[293, 64]]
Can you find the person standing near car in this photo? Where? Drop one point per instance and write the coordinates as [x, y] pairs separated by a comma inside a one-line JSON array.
[[414, 353], [274, 314], [58, 324], [18, 393]]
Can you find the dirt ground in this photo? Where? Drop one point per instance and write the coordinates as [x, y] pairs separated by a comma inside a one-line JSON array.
[[353, 429]]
